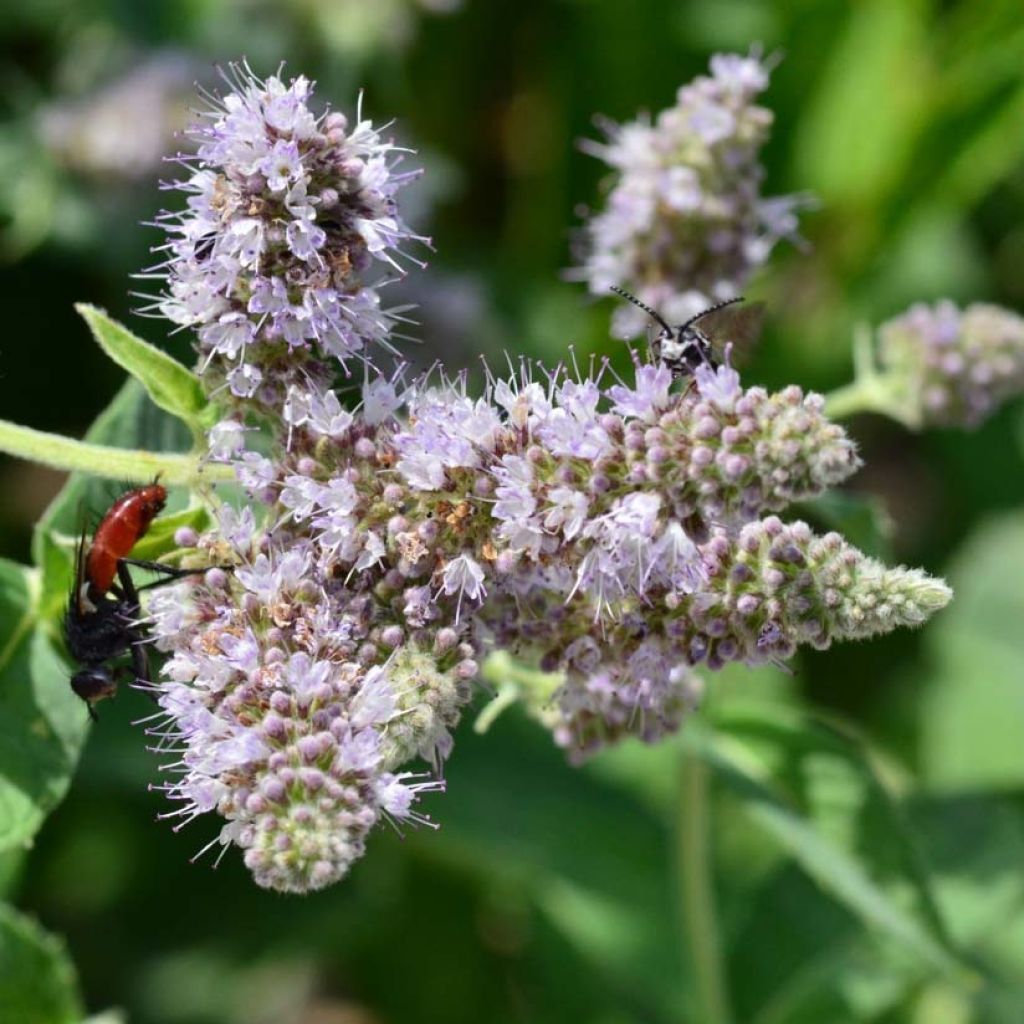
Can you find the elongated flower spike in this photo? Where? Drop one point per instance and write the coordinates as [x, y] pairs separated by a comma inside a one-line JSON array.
[[685, 224], [290, 227]]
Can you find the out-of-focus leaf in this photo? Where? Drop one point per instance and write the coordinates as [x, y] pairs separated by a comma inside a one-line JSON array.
[[42, 724], [801, 958], [172, 386], [972, 713], [863, 117], [815, 791], [989, 153], [37, 981], [12, 863], [588, 857]]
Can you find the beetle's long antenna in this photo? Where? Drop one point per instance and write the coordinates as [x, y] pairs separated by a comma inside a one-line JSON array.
[[707, 312], [647, 309]]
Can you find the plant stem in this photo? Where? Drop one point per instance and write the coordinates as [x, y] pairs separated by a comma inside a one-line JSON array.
[[133, 466], [858, 396], [871, 390], [513, 683], [876, 393], [697, 897]]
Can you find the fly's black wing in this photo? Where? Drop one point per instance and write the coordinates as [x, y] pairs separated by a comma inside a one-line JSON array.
[[75, 598], [738, 325], [94, 633]]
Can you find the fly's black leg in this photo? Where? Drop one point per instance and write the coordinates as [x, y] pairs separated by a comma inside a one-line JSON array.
[[128, 589], [137, 647], [170, 571]]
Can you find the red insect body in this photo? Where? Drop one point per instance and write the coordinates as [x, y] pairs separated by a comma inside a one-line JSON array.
[[127, 520]]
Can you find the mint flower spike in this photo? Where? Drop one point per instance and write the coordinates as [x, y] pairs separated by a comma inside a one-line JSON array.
[[775, 587], [952, 367], [622, 493], [291, 224], [281, 726], [767, 590], [613, 526], [685, 224]]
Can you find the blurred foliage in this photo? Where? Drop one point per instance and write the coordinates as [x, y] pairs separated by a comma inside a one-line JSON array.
[[859, 881]]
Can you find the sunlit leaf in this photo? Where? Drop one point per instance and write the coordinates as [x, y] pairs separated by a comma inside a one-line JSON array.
[[37, 981], [972, 707], [172, 386], [815, 792]]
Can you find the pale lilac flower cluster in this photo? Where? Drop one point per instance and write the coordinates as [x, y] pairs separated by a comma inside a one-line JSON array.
[[685, 224], [616, 532], [953, 367], [89, 134], [613, 531], [290, 224]]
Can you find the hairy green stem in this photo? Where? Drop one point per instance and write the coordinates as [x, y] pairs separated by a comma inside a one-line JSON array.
[[871, 390], [132, 465], [514, 682], [877, 393], [697, 897]]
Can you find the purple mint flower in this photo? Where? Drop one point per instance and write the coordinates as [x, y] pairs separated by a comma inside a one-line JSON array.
[[272, 261], [953, 367], [685, 224], [281, 731], [615, 529], [646, 695]]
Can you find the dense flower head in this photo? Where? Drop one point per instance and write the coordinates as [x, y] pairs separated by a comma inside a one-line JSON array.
[[616, 531], [953, 366], [766, 589], [290, 223], [685, 224]]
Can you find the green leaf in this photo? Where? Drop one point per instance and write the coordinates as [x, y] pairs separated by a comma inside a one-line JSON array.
[[171, 386], [37, 980], [816, 792], [42, 723], [804, 959], [864, 116], [972, 707]]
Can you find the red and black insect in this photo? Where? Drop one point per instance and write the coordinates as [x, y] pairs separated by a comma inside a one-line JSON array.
[[102, 620], [685, 347]]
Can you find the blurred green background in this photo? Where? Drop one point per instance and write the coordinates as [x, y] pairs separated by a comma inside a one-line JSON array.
[[552, 894]]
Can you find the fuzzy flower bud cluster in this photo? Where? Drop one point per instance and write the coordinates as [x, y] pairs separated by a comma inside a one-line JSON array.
[[290, 220], [685, 224], [954, 367], [615, 531]]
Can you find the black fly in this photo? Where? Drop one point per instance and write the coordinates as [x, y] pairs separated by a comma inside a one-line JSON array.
[[102, 620], [100, 628], [692, 344]]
